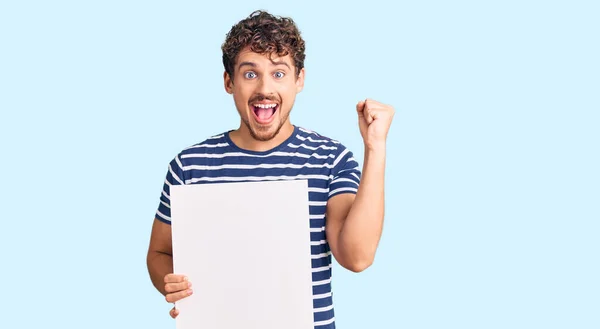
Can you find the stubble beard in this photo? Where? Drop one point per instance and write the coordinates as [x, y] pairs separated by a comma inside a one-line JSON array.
[[259, 133]]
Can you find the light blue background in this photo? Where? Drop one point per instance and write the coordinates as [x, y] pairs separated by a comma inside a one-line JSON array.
[[492, 215]]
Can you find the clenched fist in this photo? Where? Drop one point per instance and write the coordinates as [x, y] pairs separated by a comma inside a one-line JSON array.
[[177, 287], [374, 120]]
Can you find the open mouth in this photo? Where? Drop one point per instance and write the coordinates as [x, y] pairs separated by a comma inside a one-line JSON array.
[[264, 112]]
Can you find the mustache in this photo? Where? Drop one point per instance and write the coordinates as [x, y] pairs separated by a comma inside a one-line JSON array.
[[261, 97]]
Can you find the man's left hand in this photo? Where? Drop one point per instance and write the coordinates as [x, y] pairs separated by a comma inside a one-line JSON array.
[[374, 120]]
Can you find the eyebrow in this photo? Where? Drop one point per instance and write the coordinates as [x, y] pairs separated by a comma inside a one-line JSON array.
[[254, 65], [281, 63], [246, 63]]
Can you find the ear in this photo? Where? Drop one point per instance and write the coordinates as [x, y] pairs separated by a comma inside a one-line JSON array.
[[228, 83], [300, 81]]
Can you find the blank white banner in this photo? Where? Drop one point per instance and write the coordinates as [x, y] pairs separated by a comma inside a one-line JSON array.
[[246, 249]]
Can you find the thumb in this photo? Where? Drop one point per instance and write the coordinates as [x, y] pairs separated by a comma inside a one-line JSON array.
[[360, 108], [174, 313], [365, 112]]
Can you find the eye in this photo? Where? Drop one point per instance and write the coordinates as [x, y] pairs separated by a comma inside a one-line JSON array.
[[250, 75], [279, 74]]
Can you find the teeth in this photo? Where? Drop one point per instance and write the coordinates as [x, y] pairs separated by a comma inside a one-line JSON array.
[[265, 106]]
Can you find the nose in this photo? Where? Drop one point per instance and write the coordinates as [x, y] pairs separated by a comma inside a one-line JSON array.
[[265, 86]]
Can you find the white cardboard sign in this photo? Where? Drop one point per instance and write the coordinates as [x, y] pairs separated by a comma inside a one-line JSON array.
[[246, 249]]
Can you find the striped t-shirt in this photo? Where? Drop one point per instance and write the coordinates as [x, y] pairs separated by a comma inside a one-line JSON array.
[[326, 164]]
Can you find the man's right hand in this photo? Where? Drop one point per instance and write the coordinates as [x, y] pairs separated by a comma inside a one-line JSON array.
[[177, 287]]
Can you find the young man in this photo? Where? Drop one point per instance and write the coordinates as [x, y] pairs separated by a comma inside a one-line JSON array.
[[263, 56]]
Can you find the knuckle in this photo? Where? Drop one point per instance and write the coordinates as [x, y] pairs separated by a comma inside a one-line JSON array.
[[171, 298]]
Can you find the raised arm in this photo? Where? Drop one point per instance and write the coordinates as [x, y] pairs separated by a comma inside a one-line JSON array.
[[355, 222]]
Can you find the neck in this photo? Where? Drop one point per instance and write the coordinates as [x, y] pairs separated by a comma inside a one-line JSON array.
[[243, 139]]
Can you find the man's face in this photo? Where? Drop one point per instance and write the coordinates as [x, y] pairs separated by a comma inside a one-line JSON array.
[[264, 90]]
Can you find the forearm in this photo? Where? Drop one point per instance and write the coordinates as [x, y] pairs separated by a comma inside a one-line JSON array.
[[361, 231], [159, 265]]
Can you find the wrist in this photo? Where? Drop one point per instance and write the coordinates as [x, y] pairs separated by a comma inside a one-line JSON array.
[[377, 147]]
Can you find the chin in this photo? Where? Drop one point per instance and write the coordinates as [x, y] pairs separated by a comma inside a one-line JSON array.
[[265, 133]]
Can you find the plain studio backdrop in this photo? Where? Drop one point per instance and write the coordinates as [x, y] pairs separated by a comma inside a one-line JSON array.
[[493, 187]]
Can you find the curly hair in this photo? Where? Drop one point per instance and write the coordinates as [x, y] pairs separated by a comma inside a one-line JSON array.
[[264, 34]]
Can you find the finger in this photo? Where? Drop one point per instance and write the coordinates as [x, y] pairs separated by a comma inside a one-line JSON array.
[[369, 112], [369, 116], [173, 278], [175, 287], [174, 312], [172, 298], [360, 106]]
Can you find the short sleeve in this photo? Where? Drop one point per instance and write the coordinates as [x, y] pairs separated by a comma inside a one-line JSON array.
[[174, 177], [346, 174]]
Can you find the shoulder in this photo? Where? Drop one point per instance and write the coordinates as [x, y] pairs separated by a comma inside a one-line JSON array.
[[340, 158], [198, 154], [313, 139], [212, 144], [200, 151]]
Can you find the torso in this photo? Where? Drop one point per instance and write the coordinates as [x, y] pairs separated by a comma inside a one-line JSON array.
[[305, 155]]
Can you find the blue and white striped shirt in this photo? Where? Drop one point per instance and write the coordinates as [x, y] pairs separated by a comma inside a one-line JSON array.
[[326, 164]]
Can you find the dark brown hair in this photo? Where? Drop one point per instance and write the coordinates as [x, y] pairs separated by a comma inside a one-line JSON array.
[[264, 34]]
